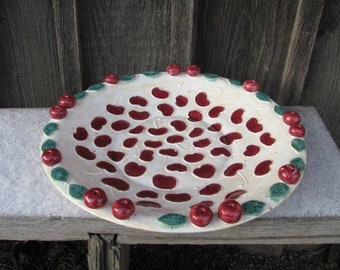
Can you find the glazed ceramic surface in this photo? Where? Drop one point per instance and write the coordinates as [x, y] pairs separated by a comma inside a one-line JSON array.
[[163, 144]]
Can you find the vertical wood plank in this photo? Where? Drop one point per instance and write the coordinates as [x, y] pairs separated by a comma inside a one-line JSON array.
[[66, 33], [322, 87], [128, 37], [29, 75], [258, 39]]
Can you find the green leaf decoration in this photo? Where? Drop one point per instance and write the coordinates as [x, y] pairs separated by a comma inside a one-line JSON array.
[[211, 76], [152, 73], [278, 191], [96, 87], [299, 163], [235, 82], [77, 191], [48, 144], [253, 207], [262, 96], [59, 174], [127, 77], [279, 110], [50, 128], [172, 221], [80, 95], [298, 144]]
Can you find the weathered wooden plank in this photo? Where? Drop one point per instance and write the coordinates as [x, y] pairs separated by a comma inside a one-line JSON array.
[[67, 40], [323, 78], [269, 41], [259, 231], [29, 74], [128, 37]]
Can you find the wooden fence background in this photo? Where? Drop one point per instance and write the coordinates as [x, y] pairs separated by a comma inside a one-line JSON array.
[[292, 47]]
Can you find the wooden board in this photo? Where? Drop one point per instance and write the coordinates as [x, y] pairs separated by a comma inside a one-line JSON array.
[[323, 79]]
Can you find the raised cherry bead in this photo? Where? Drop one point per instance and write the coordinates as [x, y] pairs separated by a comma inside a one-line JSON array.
[[95, 198], [173, 69], [289, 173], [297, 130], [193, 70], [251, 86], [111, 79], [51, 157], [58, 112], [230, 211], [123, 208], [291, 118], [67, 101]]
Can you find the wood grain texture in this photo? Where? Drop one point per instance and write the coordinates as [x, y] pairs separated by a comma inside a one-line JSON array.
[[66, 34], [259, 231], [29, 75], [258, 40], [133, 36], [322, 87]]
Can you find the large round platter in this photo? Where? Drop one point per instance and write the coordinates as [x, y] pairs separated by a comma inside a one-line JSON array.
[[183, 152]]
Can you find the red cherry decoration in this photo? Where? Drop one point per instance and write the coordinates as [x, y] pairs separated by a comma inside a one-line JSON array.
[[291, 118], [51, 157], [123, 208], [201, 215], [111, 79], [193, 71], [251, 86], [174, 69], [289, 173], [67, 101], [58, 112], [230, 211], [297, 130], [95, 198]]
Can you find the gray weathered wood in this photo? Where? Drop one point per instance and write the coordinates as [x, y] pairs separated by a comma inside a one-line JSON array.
[[68, 47], [29, 74], [269, 41], [322, 88], [128, 37], [32, 209], [105, 254]]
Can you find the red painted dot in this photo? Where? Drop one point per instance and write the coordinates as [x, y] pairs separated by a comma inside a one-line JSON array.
[[215, 112], [266, 139], [195, 132], [211, 189], [146, 155], [201, 99], [230, 138], [217, 151], [137, 130], [253, 125], [120, 125], [215, 127], [173, 69], [58, 112], [164, 181], [178, 125], [85, 153], [159, 93], [235, 194], [251, 150], [102, 140], [233, 169], [181, 101], [263, 167], [80, 134], [98, 122], [117, 183], [133, 169], [202, 143], [130, 142], [192, 158], [137, 100], [148, 204], [139, 115], [115, 155], [205, 171], [177, 167], [51, 157], [251, 86], [147, 194], [67, 101], [165, 109], [111, 78], [194, 116], [106, 166], [116, 110], [153, 144], [158, 131], [169, 152], [175, 139], [193, 71], [236, 116], [180, 197]]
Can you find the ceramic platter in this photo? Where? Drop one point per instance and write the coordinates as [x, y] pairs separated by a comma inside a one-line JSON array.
[[173, 151]]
